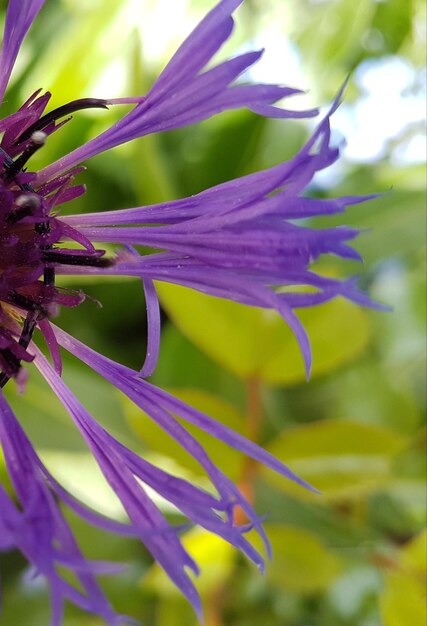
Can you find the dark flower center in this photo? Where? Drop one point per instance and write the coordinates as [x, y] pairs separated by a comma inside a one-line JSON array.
[[31, 236]]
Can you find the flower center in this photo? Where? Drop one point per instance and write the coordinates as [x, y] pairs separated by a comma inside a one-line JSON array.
[[31, 236]]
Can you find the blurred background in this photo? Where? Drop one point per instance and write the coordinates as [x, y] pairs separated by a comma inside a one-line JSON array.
[[354, 556]]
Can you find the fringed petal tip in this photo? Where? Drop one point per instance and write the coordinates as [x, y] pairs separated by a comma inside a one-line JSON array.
[[349, 289], [125, 619], [153, 329], [275, 112], [308, 361], [186, 92], [384, 308], [339, 97]]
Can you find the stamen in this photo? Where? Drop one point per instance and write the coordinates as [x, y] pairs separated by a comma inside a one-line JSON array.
[[7, 160], [25, 303], [28, 204], [55, 256], [4, 378], [18, 214], [49, 276], [28, 330], [13, 363], [31, 201], [38, 139], [62, 111]]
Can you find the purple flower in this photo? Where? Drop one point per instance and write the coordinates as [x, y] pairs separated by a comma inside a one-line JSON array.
[[238, 240]]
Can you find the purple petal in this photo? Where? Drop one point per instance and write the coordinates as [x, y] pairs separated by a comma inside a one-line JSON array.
[[39, 529], [127, 381], [52, 344], [153, 325], [185, 94], [199, 47], [150, 525], [19, 17]]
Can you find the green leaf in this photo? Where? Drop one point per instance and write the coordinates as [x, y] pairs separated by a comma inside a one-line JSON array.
[[330, 36], [342, 459], [182, 364], [300, 563], [256, 343], [403, 599], [76, 46], [147, 156], [395, 220], [370, 393], [394, 21], [174, 611], [408, 487], [338, 332]]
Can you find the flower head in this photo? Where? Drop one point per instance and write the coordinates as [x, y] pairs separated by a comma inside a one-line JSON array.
[[238, 240]]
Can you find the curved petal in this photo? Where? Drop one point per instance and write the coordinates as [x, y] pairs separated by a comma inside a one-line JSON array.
[[38, 528], [153, 326], [186, 93], [19, 17]]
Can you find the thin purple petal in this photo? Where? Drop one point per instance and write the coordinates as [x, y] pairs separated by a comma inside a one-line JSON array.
[[19, 17]]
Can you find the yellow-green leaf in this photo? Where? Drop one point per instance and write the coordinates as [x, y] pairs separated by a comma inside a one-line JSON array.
[[300, 563], [253, 342], [404, 598], [340, 458]]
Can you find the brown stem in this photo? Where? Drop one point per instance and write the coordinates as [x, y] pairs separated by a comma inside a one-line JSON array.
[[254, 408], [254, 417], [213, 613]]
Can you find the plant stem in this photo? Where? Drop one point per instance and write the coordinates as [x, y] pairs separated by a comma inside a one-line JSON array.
[[254, 418]]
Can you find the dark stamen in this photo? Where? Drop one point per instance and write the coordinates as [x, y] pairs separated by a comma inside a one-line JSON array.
[[43, 228], [62, 111], [8, 164], [18, 214], [12, 361], [10, 358], [4, 378], [11, 169], [25, 205], [28, 330], [24, 303], [38, 139], [53, 256], [49, 276], [24, 341], [7, 160]]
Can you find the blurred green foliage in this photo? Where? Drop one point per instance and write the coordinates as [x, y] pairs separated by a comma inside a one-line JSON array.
[[355, 555]]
